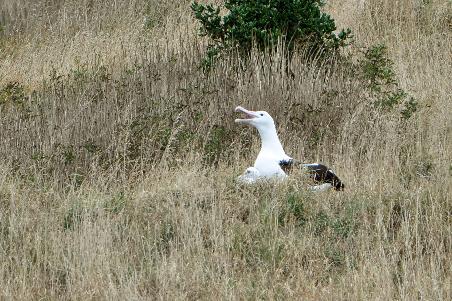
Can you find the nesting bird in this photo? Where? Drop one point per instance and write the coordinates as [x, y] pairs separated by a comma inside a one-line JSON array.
[[273, 162]]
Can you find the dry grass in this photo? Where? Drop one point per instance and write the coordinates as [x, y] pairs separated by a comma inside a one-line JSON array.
[[119, 158]]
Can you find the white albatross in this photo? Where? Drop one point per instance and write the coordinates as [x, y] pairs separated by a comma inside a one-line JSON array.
[[273, 162]]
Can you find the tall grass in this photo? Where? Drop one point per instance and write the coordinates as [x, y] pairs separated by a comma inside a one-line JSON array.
[[119, 157]]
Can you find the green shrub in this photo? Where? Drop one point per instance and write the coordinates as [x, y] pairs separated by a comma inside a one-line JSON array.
[[377, 68], [381, 81], [262, 23]]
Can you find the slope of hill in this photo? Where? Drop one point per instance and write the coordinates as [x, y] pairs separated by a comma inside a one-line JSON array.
[[119, 155]]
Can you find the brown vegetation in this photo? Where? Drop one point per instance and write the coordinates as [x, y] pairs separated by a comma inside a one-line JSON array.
[[119, 158]]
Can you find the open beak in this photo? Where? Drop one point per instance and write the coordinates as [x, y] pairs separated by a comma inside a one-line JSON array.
[[249, 115]]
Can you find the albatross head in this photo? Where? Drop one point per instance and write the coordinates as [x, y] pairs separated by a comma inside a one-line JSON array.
[[259, 119], [272, 152], [250, 176]]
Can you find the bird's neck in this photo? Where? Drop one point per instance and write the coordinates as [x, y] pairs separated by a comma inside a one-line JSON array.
[[270, 143]]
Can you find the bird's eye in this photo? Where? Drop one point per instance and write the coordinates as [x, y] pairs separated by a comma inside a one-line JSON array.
[[262, 114]]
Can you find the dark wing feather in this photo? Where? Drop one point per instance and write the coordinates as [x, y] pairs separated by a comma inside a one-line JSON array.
[[318, 172], [322, 174]]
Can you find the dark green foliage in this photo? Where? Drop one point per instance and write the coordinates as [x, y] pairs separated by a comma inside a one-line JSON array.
[[409, 109], [211, 54], [378, 68], [379, 75], [12, 94], [263, 23]]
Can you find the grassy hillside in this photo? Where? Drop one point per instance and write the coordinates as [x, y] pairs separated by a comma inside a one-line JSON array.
[[119, 158]]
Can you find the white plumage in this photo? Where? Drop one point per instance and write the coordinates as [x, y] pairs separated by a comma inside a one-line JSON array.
[[272, 161]]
